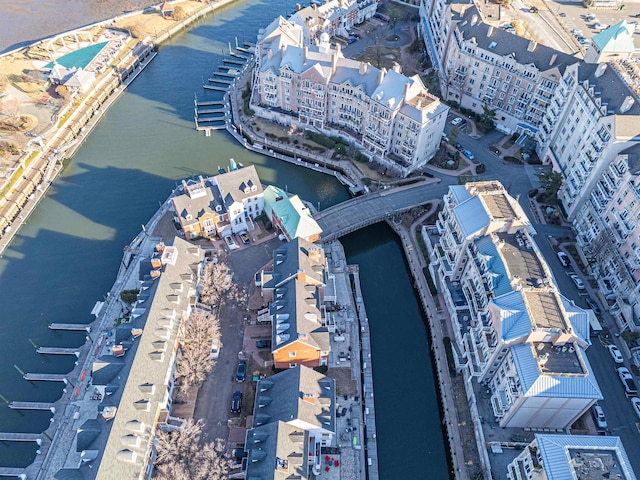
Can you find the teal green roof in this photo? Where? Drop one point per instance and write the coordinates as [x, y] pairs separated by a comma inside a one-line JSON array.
[[295, 217], [617, 38]]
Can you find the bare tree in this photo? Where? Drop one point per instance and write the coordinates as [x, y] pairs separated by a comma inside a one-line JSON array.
[[378, 34], [217, 286], [137, 30], [178, 14], [181, 455], [200, 330], [63, 92], [193, 366]]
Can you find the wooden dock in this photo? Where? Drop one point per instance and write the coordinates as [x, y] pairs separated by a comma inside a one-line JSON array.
[[33, 406], [21, 437], [59, 351], [45, 377], [210, 110], [76, 327], [226, 81], [215, 87], [210, 103], [12, 472], [231, 61]]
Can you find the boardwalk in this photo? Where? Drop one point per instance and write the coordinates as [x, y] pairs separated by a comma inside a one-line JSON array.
[[360, 212], [33, 406], [59, 351]]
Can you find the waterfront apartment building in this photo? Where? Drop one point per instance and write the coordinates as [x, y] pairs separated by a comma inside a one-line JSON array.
[[391, 118], [572, 456], [298, 288], [481, 66], [219, 205], [521, 339], [594, 115], [608, 228], [133, 378], [294, 418], [334, 17]]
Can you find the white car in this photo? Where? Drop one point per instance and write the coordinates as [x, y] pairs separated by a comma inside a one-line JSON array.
[[578, 281], [564, 259], [598, 416], [230, 243], [615, 353], [456, 121], [635, 402], [215, 348]]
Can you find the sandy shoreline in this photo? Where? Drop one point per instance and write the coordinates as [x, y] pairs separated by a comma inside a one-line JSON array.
[[27, 21]]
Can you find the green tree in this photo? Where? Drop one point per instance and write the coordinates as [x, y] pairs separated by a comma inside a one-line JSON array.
[[453, 136], [487, 121], [550, 182], [129, 296]]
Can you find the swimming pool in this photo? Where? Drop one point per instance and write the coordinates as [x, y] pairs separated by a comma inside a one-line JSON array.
[[79, 58]]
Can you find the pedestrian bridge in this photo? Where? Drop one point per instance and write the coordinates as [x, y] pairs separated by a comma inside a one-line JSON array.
[[360, 212]]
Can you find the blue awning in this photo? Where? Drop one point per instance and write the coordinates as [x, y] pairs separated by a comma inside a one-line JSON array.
[[529, 128]]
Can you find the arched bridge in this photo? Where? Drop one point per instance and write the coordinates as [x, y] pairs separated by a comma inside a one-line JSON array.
[[360, 212]]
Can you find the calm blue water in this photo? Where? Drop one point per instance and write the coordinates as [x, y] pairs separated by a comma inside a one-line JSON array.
[[68, 254]]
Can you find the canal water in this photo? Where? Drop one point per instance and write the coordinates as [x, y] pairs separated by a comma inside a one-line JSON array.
[[67, 256]]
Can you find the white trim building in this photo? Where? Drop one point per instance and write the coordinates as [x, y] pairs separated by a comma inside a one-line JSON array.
[[392, 118], [515, 332]]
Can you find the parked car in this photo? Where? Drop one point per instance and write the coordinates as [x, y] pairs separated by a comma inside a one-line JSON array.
[[598, 416], [533, 9], [263, 343], [236, 402], [456, 121], [245, 238], [468, 154], [593, 305], [230, 243], [241, 372], [459, 147], [564, 259], [444, 137], [562, 14], [615, 353], [578, 281], [215, 348], [352, 40], [635, 403], [629, 384]]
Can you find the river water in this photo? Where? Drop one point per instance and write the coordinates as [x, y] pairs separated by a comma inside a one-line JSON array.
[[66, 257]]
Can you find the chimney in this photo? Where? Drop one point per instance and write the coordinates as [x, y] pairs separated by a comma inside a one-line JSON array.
[[338, 49], [269, 54], [282, 49], [305, 52], [201, 180], [362, 69], [381, 76], [553, 59], [396, 67], [406, 90], [490, 31], [298, 7], [185, 187], [627, 104], [419, 104], [600, 70], [334, 62], [313, 5], [532, 46], [474, 20]]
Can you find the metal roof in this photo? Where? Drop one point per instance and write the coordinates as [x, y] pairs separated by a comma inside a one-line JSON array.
[[563, 455], [471, 216]]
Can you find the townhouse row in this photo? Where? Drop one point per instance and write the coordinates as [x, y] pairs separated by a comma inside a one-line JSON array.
[[388, 116]]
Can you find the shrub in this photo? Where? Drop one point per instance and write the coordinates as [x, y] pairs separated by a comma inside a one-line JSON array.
[[533, 193], [512, 159], [129, 296], [481, 168], [321, 139], [360, 157]]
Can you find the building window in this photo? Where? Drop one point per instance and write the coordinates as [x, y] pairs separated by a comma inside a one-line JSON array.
[[293, 365], [292, 354]]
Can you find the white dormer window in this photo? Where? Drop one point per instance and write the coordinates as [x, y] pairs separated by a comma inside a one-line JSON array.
[[189, 216], [292, 354]]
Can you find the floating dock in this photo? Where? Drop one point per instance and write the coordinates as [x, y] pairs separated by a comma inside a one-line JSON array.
[[33, 406], [58, 351], [76, 327], [45, 377], [21, 437]]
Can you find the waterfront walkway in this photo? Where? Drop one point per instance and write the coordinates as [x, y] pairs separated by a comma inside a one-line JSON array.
[[359, 212]]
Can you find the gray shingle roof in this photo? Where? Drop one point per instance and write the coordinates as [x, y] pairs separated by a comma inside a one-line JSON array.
[[277, 451], [137, 409], [299, 394], [501, 42], [239, 184]]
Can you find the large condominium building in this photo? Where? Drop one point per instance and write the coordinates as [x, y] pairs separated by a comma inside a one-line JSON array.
[[594, 114], [481, 66], [335, 17], [515, 332], [551, 457], [392, 118], [608, 226]]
